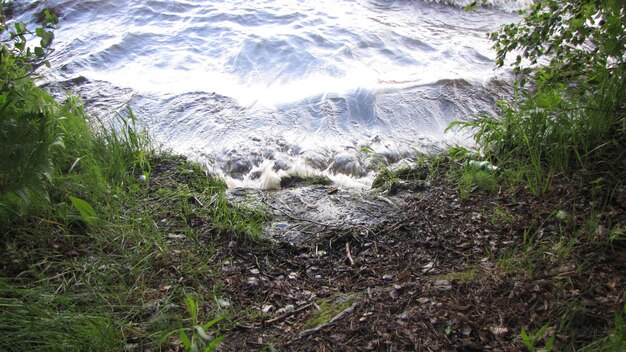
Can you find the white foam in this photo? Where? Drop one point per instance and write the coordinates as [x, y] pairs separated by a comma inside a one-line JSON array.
[[266, 176]]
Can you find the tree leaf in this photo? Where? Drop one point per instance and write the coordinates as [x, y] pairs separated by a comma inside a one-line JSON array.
[[87, 213], [39, 52]]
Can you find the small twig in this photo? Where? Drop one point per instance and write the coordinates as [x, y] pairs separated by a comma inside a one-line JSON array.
[[389, 201], [348, 254], [402, 222], [332, 321], [288, 314], [51, 222], [198, 202]]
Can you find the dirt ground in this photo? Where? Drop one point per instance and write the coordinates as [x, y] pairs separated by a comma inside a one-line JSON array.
[[428, 271], [422, 269]]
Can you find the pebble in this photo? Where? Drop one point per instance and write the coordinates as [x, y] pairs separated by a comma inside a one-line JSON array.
[[444, 284]]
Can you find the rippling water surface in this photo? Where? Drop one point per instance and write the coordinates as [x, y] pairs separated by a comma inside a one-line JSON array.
[[259, 89]]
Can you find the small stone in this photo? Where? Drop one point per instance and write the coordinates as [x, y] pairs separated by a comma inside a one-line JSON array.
[[387, 277], [466, 330], [499, 330], [423, 300], [394, 294], [403, 316], [290, 308], [281, 226], [223, 303], [255, 271], [443, 284]]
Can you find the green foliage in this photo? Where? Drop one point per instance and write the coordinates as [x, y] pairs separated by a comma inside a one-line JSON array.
[[38, 319], [531, 340], [87, 213], [578, 37], [474, 176], [29, 119], [200, 340], [573, 115], [19, 54], [385, 179]]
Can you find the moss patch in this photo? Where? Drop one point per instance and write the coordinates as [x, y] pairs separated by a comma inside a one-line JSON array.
[[294, 180], [329, 308]]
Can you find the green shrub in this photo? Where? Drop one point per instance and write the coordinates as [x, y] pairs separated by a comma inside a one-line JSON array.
[[570, 114], [29, 121]]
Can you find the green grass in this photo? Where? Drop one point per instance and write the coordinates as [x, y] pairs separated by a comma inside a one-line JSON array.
[[614, 341], [120, 236], [472, 176], [558, 131], [387, 178]]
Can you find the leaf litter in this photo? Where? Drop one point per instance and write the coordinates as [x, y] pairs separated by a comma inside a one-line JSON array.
[[423, 269]]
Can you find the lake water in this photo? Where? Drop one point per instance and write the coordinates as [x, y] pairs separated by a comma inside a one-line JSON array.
[[256, 90]]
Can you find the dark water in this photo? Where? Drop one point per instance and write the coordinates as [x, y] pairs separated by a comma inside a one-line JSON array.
[[259, 89]]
